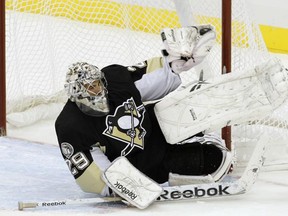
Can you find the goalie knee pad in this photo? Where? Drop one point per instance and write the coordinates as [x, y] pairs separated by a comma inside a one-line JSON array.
[[185, 159], [207, 160], [193, 159], [212, 158]]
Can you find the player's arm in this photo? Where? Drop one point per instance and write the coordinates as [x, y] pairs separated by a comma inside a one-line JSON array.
[[157, 79], [121, 176], [90, 180], [85, 168], [184, 48]]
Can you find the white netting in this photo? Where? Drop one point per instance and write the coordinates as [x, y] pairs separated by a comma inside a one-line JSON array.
[[43, 37]]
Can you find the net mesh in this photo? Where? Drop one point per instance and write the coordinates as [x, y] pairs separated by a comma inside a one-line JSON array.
[[43, 37]]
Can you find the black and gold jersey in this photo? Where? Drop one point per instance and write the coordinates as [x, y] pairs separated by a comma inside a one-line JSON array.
[[125, 131]]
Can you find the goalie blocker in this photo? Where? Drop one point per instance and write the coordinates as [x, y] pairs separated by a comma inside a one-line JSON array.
[[129, 183]]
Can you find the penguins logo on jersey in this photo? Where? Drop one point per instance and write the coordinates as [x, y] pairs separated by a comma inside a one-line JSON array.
[[67, 149], [126, 126]]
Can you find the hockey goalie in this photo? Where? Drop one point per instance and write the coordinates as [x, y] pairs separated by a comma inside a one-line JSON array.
[[114, 144]]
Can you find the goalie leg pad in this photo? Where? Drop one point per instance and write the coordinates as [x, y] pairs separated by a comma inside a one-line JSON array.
[[129, 183], [229, 99]]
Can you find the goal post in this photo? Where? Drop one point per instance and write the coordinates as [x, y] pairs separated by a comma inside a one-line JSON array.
[[226, 56], [2, 71]]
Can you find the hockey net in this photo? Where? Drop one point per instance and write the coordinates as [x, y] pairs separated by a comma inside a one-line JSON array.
[[43, 37]]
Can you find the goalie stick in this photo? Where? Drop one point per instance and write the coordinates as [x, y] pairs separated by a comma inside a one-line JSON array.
[[240, 186], [219, 189], [64, 202]]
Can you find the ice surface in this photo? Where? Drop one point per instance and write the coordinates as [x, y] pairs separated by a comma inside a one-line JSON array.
[[36, 172]]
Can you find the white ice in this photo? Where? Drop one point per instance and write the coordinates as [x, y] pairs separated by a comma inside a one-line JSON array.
[[36, 172]]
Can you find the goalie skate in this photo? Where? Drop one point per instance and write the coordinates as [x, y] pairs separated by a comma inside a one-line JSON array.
[[232, 98]]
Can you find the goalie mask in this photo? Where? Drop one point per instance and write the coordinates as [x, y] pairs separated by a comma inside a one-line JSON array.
[[86, 86]]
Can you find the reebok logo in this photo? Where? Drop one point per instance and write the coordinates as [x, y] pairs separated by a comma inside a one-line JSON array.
[[193, 114], [125, 190], [195, 192], [195, 87], [200, 82], [53, 203]]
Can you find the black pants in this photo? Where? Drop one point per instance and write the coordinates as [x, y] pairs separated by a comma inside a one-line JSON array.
[[193, 159]]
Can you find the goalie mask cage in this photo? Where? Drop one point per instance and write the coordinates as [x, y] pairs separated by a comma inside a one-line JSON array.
[[43, 37]]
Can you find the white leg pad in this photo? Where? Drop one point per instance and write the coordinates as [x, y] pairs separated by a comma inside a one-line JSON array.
[[229, 99]]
